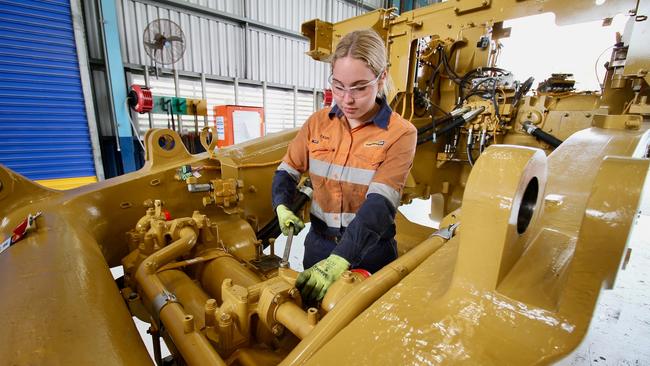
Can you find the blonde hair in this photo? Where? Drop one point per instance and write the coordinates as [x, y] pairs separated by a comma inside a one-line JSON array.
[[365, 45]]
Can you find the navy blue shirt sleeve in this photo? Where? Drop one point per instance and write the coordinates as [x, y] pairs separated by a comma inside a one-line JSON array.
[[375, 216], [283, 189]]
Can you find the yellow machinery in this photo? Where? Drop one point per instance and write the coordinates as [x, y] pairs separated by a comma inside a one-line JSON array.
[[532, 229]]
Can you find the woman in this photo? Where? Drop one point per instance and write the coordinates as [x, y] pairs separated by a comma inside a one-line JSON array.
[[358, 154]]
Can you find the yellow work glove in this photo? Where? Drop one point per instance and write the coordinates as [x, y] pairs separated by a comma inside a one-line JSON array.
[[286, 217], [314, 282]]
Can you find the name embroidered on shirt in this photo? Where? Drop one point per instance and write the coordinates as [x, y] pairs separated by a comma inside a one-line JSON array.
[[374, 143]]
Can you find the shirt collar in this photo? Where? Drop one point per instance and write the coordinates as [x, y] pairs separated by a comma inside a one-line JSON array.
[[380, 119]]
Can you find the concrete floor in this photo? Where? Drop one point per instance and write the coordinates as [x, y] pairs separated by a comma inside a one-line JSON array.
[[619, 333]]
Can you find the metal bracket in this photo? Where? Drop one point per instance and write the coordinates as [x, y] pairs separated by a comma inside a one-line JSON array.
[[161, 300], [448, 232], [466, 6]]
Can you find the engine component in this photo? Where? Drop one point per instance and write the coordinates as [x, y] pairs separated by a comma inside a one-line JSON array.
[[225, 305]]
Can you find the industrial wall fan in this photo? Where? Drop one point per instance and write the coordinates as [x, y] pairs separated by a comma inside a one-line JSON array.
[[164, 42]]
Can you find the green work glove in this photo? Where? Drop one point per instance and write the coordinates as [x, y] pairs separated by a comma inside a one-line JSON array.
[[286, 217], [314, 282]]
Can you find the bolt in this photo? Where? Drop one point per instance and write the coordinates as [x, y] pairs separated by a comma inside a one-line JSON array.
[[277, 330], [188, 324], [347, 277], [211, 304]]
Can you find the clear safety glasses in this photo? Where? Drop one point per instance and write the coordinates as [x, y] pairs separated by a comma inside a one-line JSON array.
[[356, 91]]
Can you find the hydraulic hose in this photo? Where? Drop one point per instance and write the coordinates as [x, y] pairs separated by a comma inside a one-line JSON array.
[[456, 122], [546, 137], [453, 114], [470, 145]]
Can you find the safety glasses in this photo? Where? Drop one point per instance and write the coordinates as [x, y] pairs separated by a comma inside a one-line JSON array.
[[356, 91]]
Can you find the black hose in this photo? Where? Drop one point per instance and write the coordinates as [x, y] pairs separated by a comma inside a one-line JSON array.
[[482, 142], [469, 146], [522, 90], [433, 124], [546, 137], [455, 123]]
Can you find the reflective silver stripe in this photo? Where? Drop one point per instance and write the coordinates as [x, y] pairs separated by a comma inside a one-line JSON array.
[[340, 173], [347, 217], [335, 220], [289, 169], [385, 190]]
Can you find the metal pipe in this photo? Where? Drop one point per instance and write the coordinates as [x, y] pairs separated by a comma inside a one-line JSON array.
[[111, 100], [222, 267], [199, 187], [193, 346], [155, 339], [187, 292], [204, 96], [148, 85], [364, 295], [177, 92], [294, 318]]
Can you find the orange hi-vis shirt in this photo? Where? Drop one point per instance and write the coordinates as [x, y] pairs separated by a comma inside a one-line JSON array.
[[346, 165]]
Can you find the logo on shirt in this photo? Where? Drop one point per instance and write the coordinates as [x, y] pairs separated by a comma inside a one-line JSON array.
[[324, 137], [374, 143]]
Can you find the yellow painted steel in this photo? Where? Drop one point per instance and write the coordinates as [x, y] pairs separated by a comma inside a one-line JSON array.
[[541, 232], [66, 183], [459, 307]]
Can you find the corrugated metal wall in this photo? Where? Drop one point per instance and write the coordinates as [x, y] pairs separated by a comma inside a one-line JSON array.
[[43, 126], [221, 47], [268, 49]]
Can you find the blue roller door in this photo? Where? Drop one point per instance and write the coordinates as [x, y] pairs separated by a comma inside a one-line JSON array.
[[43, 126]]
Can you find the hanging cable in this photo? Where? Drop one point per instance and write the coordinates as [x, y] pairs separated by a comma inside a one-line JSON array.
[[135, 129]]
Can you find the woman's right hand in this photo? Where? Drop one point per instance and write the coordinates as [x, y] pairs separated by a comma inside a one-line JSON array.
[[286, 218]]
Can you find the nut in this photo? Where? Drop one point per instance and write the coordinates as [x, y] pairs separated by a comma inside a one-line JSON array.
[[277, 330]]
